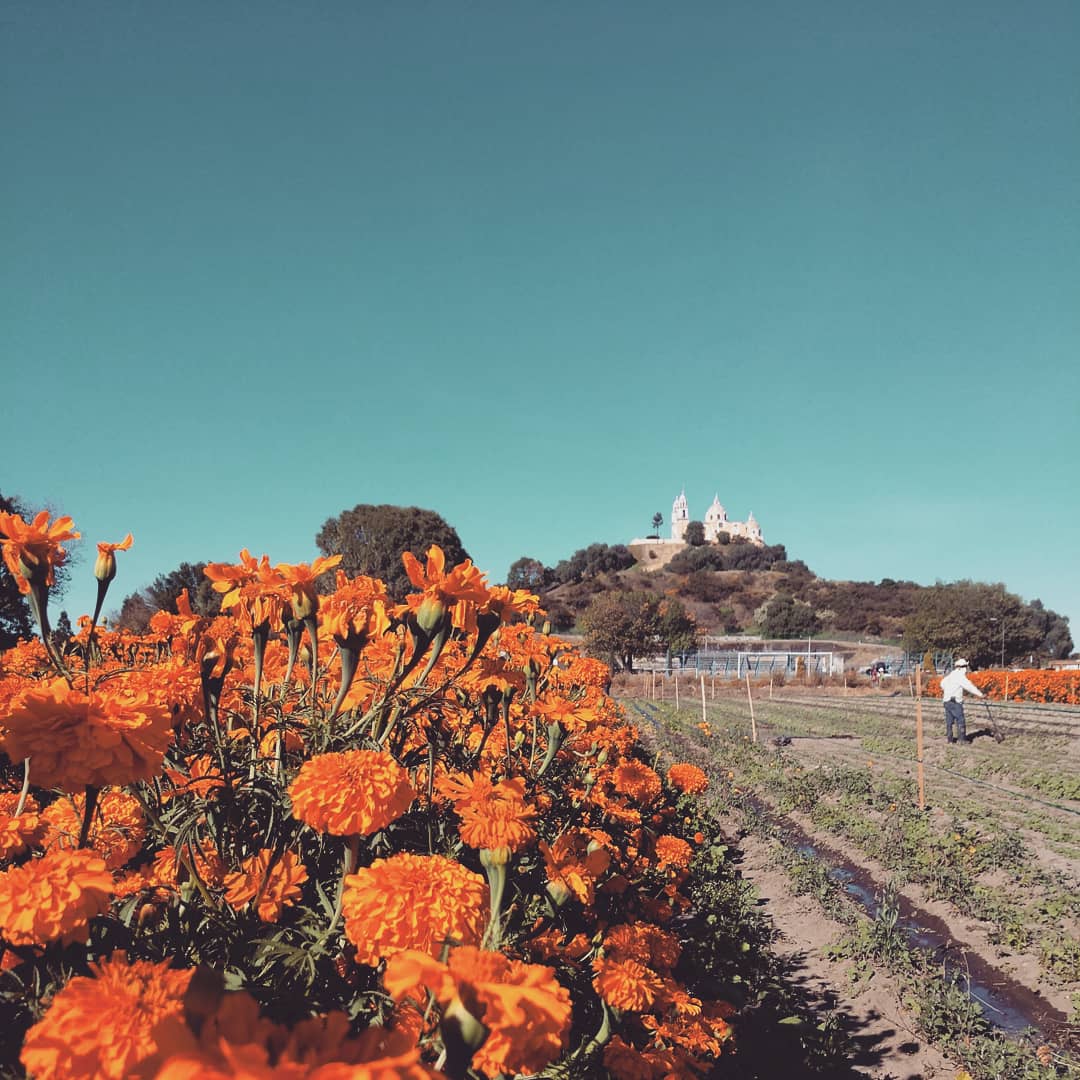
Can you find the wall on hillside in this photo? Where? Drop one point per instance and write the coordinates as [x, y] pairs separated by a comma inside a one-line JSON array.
[[654, 554]]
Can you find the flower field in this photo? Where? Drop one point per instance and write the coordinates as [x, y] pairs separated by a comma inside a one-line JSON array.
[[331, 834], [991, 863], [1061, 687]]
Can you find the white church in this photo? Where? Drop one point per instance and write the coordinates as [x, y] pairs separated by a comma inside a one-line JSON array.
[[716, 522]]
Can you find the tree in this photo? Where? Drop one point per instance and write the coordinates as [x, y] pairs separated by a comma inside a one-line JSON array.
[[62, 632], [621, 625], [371, 540], [677, 628], [591, 561], [162, 593], [695, 534], [657, 521], [976, 620], [527, 573], [134, 614], [786, 617]]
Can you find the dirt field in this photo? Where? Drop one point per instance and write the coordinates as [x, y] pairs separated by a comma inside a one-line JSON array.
[[992, 863]]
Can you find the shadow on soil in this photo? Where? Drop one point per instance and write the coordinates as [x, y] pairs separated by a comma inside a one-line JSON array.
[[767, 1049]]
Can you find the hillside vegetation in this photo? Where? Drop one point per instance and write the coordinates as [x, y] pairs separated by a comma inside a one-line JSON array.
[[738, 588]]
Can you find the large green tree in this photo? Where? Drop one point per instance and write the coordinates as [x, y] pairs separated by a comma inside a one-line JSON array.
[[621, 625], [371, 540], [985, 623], [162, 593], [786, 617], [528, 573]]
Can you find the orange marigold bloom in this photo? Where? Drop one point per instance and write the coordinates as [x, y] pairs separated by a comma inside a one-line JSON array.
[[103, 1027], [22, 832], [53, 898], [105, 566], [117, 830], [79, 740], [460, 591], [673, 851], [688, 779], [638, 781], [273, 886], [356, 611], [623, 1061], [33, 551], [412, 902], [501, 827], [644, 942], [357, 792], [573, 865], [524, 1006], [301, 580], [626, 984]]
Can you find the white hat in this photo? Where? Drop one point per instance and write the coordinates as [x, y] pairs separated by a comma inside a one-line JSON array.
[[961, 663]]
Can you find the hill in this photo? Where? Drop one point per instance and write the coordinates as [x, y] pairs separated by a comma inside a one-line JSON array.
[[741, 588]]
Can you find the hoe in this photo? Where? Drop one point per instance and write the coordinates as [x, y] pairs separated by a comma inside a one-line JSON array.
[[998, 737]]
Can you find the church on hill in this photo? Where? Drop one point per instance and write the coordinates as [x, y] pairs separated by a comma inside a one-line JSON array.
[[716, 521], [656, 551]]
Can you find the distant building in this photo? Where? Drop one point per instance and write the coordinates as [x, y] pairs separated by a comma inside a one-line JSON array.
[[716, 521], [656, 552]]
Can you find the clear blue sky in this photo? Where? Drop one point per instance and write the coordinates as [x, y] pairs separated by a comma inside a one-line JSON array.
[[538, 266]]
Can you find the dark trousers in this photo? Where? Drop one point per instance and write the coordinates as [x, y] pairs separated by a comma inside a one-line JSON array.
[[954, 714]]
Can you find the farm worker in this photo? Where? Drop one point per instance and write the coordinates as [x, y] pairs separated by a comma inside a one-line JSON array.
[[952, 690]]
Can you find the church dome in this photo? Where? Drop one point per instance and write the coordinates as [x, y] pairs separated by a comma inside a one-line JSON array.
[[716, 512]]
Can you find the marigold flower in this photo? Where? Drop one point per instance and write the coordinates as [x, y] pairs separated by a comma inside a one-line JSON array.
[[626, 984], [33, 551], [17, 834], [79, 740], [117, 829], [105, 566], [412, 902], [638, 781], [688, 779], [526, 1010], [644, 942], [356, 611], [494, 817], [623, 1061], [573, 866], [460, 591], [272, 886], [53, 898], [357, 792], [673, 851], [103, 1027], [301, 580]]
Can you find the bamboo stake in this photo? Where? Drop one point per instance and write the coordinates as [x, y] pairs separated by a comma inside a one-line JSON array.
[[676, 693], [919, 737], [770, 684], [750, 698], [1006, 686], [704, 717]]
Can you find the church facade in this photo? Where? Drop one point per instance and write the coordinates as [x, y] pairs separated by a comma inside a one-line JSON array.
[[716, 521]]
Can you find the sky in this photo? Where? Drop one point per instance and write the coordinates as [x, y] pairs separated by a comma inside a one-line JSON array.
[[539, 267]]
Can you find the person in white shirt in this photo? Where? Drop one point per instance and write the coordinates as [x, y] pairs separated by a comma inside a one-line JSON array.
[[952, 690]]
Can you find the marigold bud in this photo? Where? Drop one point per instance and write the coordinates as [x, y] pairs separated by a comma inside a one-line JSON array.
[[430, 614], [105, 566]]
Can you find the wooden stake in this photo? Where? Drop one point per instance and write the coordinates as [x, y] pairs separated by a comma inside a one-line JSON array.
[[676, 693], [919, 737], [750, 698], [770, 685], [1006, 686], [704, 717]]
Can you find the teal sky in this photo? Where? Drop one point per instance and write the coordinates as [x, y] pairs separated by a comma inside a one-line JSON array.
[[539, 266]]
